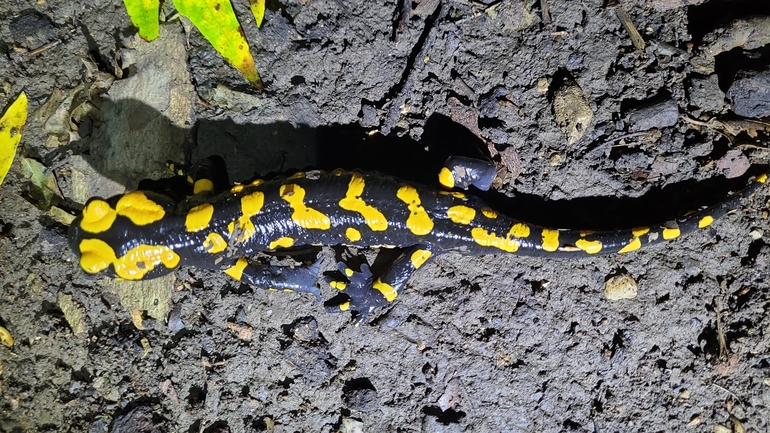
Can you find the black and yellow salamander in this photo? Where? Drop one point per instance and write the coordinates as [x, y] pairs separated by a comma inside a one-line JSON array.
[[197, 219]]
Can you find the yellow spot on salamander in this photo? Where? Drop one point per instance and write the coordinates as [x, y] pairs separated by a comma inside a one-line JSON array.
[[354, 203], [446, 178], [419, 258], [236, 189], [236, 270], [338, 172], [489, 213], [640, 231], [288, 291], [344, 306], [96, 256], [199, 217], [550, 240], [257, 182], [386, 289], [348, 272], [297, 175], [284, 242], [669, 234], [98, 216], [590, 247], [339, 285], [762, 178], [203, 185], [455, 194], [139, 209], [705, 221], [634, 245], [461, 214], [251, 204], [189, 180], [214, 243], [352, 234], [486, 239], [519, 230], [305, 217], [418, 221]]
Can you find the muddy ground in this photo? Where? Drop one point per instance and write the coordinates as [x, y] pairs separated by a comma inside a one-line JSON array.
[[588, 129]]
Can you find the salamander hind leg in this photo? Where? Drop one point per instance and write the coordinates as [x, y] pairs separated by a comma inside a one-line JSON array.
[[280, 278], [365, 293]]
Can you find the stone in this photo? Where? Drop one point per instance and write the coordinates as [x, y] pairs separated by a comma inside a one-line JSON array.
[[655, 115], [749, 95]]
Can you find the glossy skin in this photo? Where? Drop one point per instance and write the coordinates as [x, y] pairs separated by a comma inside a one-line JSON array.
[[145, 234]]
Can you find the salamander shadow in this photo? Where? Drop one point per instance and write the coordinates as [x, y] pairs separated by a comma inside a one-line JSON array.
[[143, 139]]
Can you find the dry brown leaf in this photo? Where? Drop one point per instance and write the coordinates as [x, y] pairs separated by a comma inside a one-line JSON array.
[[245, 332]]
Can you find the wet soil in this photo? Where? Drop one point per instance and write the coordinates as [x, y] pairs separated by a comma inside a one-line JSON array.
[[589, 131]]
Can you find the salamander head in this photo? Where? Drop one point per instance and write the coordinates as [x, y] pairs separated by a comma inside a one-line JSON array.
[[113, 236]]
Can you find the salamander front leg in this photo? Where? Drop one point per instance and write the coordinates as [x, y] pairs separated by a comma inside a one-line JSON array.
[[209, 174], [284, 278], [366, 294]]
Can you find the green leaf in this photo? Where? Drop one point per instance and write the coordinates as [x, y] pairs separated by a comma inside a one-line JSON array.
[[218, 24], [258, 10], [11, 125], [144, 16], [42, 184]]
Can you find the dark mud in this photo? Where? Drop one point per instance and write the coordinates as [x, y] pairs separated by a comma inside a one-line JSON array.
[[496, 343]]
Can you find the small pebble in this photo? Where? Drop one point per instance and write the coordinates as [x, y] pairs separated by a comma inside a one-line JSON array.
[[621, 286]]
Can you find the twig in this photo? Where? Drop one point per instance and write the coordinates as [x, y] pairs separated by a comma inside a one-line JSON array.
[[625, 19], [728, 391], [545, 13], [45, 47], [623, 137]]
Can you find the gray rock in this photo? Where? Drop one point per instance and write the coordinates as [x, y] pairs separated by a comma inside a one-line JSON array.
[[750, 95], [705, 94], [656, 115]]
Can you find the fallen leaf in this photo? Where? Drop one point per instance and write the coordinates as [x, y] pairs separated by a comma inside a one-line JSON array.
[[153, 296], [451, 395], [245, 332], [11, 125], [144, 16], [72, 313], [218, 24], [167, 388], [734, 163], [43, 186], [146, 348], [258, 10], [750, 127], [737, 425], [5, 337]]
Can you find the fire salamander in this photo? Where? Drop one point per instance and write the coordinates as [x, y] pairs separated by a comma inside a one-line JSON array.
[[197, 219]]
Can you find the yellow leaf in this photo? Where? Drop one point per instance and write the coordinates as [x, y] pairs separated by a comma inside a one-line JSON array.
[[144, 16], [5, 337], [10, 132], [218, 24], [258, 9]]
